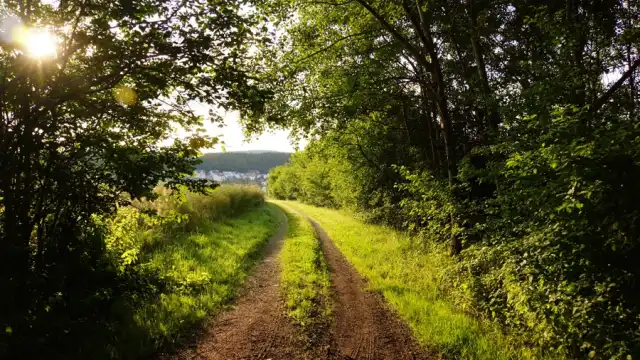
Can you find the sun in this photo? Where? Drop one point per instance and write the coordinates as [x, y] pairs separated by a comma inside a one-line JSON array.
[[40, 43], [37, 43]]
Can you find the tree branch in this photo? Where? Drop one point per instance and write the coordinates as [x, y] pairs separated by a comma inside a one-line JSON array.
[[609, 93], [332, 45], [415, 22], [412, 49]]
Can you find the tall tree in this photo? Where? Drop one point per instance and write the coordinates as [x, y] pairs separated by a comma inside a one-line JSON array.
[[90, 94], [503, 126]]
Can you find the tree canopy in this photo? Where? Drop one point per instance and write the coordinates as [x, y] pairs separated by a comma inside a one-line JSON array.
[[84, 126], [506, 129]]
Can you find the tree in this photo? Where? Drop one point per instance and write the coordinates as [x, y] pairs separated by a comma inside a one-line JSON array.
[[81, 127], [483, 124]]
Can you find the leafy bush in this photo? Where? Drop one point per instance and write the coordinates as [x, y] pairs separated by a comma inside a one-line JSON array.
[[428, 206], [557, 260]]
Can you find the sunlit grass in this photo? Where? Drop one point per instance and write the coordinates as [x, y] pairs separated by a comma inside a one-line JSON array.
[[305, 277], [203, 271], [408, 278]]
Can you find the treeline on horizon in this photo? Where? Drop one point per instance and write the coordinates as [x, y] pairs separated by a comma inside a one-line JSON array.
[[242, 162], [503, 132]]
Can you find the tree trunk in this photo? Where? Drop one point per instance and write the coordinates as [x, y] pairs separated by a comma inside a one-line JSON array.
[[493, 118], [443, 110], [430, 131], [435, 68], [632, 80]]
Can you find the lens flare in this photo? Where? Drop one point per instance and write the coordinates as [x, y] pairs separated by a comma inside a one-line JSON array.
[[125, 95]]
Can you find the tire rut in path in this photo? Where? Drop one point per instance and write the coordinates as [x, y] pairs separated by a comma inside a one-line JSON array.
[[256, 327], [364, 327]]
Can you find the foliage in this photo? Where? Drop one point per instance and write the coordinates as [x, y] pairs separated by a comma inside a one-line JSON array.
[[282, 182], [562, 275], [80, 128], [305, 277], [126, 232], [165, 267], [428, 205], [507, 130], [242, 161], [314, 176]]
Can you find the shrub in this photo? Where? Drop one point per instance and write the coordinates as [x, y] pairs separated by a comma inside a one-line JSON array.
[[556, 262]]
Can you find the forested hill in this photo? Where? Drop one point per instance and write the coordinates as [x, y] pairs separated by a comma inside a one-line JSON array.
[[241, 161]]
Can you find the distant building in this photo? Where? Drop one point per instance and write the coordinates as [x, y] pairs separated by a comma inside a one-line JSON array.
[[250, 177]]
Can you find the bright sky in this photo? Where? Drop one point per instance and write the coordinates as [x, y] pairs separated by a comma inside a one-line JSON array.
[[234, 138]]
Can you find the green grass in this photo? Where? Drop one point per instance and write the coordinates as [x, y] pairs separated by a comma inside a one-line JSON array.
[[409, 280], [203, 272], [305, 277]]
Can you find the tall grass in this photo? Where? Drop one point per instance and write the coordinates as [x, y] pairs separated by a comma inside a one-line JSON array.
[[410, 281], [197, 209], [305, 277], [186, 263]]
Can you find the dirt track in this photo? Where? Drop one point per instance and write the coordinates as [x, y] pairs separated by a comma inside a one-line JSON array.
[[257, 327], [364, 327]]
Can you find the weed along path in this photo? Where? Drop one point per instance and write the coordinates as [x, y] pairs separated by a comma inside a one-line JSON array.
[[364, 327], [256, 327]]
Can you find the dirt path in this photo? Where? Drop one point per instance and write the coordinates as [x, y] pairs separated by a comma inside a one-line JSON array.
[[257, 327], [364, 327]]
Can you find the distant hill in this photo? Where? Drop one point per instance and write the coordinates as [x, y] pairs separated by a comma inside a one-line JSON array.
[[243, 161]]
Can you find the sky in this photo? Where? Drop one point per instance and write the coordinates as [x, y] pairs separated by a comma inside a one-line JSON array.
[[234, 138]]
